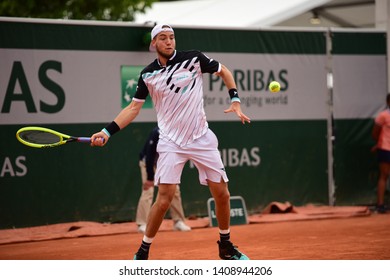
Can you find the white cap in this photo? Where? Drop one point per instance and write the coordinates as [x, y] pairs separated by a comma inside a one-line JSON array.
[[158, 29]]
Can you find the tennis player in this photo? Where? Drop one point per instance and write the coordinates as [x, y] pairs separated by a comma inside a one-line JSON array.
[[175, 83]]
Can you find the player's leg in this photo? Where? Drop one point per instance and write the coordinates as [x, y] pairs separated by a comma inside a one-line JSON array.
[[159, 208], [155, 218], [170, 165], [169, 168], [207, 159], [221, 196]]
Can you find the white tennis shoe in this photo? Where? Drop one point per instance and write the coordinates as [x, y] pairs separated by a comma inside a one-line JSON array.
[[181, 226], [141, 228]]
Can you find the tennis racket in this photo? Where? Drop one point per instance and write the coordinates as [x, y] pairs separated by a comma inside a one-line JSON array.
[[41, 137]]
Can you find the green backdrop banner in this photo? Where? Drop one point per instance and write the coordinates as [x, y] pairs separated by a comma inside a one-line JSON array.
[[268, 161]]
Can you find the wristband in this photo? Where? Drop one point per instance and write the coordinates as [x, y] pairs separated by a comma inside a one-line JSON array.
[[106, 132], [111, 129], [235, 99], [234, 95]]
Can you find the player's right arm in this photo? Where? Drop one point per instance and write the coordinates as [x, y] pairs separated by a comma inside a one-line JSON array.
[[128, 114], [123, 119]]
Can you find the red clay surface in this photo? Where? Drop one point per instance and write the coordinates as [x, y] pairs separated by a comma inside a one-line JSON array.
[[355, 238]]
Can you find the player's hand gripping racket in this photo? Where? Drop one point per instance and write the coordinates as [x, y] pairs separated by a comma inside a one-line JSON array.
[[41, 137]]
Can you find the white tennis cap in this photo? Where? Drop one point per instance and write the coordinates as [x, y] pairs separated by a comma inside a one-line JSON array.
[[158, 29]]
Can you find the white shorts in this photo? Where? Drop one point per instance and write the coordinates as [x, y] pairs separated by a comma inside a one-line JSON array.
[[203, 152]]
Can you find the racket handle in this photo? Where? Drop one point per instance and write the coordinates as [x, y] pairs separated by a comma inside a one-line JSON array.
[[86, 139]]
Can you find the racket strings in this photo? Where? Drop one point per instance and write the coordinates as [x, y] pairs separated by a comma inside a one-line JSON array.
[[39, 137]]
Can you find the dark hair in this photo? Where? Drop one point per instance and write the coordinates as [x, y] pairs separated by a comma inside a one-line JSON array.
[[388, 98]]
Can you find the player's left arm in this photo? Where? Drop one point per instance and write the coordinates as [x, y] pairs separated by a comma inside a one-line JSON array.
[[227, 77], [229, 82]]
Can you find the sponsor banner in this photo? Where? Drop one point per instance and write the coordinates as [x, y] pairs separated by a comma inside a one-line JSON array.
[[46, 86], [52, 86], [302, 79]]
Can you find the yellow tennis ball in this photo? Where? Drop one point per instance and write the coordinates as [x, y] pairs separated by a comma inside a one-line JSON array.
[[274, 86]]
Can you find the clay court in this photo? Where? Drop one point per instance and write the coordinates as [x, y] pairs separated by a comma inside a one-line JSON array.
[[318, 235]]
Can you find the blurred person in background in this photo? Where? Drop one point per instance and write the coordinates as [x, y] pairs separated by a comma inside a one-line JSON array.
[[381, 134]]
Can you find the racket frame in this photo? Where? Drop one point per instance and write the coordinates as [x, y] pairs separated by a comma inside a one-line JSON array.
[[64, 138]]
